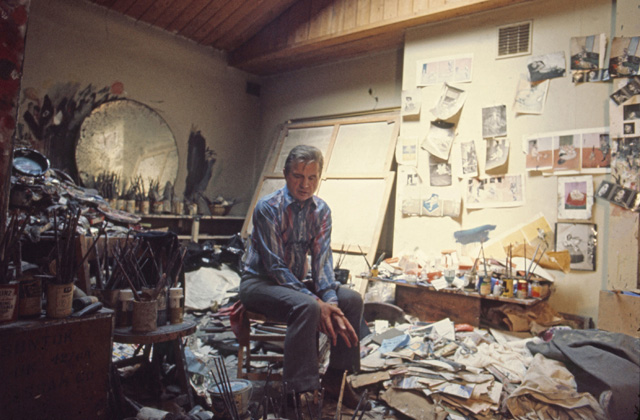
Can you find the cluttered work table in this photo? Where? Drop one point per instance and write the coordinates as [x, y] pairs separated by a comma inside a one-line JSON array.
[[460, 305]]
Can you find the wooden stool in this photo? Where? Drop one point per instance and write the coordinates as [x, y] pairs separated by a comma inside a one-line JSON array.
[[246, 336]]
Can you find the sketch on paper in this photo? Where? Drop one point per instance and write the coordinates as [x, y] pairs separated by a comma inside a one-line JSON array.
[[439, 172], [625, 57], [454, 69], [580, 239], [596, 152], [411, 102], [439, 139], [450, 102], [539, 153], [497, 191], [494, 121], [565, 153], [530, 97], [469, 159], [497, 153], [575, 197], [546, 66]]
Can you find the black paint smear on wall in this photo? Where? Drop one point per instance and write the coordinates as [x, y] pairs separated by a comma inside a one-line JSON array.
[[200, 160]]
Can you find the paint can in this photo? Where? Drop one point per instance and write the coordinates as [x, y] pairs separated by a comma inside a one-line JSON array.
[[9, 301], [59, 299], [523, 289], [144, 316], [508, 288], [175, 305], [30, 303], [124, 314], [241, 390]]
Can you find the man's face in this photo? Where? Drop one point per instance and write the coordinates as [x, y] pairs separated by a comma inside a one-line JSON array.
[[302, 180]]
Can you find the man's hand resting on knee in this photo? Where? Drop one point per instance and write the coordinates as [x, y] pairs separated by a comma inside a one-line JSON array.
[[333, 323]]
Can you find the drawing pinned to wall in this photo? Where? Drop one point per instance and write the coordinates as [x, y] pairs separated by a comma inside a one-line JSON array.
[[625, 162], [450, 102], [439, 172], [530, 97], [566, 158], [497, 153], [539, 153], [439, 139], [496, 191], [455, 69], [625, 57], [494, 121], [407, 151], [433, 204], [580, 239], [469, 159], [621, 196], [411, 103], [575, 197], [546, 66], [596, 152], [587, 56]]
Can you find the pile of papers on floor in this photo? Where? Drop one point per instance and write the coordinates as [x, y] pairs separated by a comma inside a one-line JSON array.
[[432, 371]]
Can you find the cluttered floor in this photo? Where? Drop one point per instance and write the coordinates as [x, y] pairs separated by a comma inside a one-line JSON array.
[[410, 370]]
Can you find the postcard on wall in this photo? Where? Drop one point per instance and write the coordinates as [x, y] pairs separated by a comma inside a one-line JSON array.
[[469, 159], [407, 150], [621, 196], [587, 57], [566, 158], [450, 102], [497, 153], [439, 172], [453, 69], [625, 162], [494, 121], [575, 197], [530, 97], [626, 92], [546, 66], [625, 57], [497, 191], [439, 139], [539, 153], [624, 109], [580, 239], [596, 151], [411, 103]]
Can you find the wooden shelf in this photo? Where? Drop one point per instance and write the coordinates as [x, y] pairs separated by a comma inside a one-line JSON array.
[[196, 228]]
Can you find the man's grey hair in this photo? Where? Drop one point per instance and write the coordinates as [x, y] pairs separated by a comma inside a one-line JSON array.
[[303, 154]]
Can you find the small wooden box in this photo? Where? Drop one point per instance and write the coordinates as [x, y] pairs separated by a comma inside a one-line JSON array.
[[56, 369]]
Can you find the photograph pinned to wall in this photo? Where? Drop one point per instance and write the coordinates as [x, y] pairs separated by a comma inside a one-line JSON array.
[[580, 239], [621, 196], [407, 150], [566, 158], [469, 159], [495, 191], [453, 69], [411, 103], [575, 197], [596, 152], [587, 55], [409, 184], [631, 112], [440, 203], [439, 139], [546, 66], [629, 128], [439, 172], [494, 121], [450, 102], [625, 57], [497, 153], [539, 153], [625, 161], [530, 97], [626, 92]]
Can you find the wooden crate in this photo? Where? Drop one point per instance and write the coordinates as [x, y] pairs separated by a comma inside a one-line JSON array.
[[56, 369]]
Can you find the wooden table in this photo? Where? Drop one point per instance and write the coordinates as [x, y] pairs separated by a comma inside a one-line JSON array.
[[171, 334], [461, 306]]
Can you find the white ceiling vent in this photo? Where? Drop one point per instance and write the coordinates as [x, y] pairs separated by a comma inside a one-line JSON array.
[[514, 39]]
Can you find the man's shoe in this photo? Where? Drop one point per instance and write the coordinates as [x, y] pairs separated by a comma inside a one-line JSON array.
[[332, 382]]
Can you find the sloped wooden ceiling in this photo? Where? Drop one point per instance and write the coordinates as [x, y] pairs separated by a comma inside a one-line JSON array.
[[272, 36]]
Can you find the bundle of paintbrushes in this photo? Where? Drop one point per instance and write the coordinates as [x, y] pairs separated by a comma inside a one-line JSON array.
[[10, 246]]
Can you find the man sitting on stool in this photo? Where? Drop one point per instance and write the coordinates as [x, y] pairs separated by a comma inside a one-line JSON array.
[[289, 225]]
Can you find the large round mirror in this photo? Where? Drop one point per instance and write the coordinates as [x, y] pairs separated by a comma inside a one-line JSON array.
[[129, 139]]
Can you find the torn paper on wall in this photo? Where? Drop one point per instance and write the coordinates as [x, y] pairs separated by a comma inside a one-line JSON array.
[[439, 139], [450, 102]]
